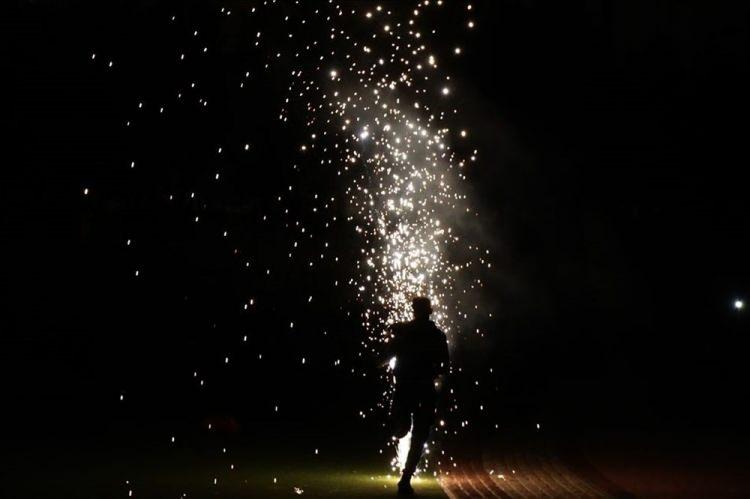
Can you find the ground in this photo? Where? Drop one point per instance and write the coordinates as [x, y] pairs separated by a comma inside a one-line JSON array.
[[269, 465], [265, 466]]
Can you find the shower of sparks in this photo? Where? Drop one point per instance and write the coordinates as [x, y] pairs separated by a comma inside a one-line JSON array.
[[402, 451], [392, 149], [372, 98], [379, 119]]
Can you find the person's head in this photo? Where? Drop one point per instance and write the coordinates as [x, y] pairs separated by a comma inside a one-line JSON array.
[[422, 307]]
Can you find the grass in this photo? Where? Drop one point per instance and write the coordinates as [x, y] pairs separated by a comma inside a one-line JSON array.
[[247, 471], [326, 482]]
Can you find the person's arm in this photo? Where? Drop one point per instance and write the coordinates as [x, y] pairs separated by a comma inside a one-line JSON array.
[[389, 351]]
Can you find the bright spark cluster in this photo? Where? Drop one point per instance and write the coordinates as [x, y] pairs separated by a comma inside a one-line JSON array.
[[383, 108]]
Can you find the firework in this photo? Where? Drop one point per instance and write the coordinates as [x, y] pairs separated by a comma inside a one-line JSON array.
[[379, 118]]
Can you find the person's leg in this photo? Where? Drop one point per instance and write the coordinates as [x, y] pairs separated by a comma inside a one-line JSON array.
[[400, 414], [423, 419], [419, 435]]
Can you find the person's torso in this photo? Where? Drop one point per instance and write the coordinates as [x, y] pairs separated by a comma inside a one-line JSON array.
[[418, 351]]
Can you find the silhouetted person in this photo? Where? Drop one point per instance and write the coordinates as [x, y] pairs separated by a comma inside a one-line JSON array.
[[421, 352]]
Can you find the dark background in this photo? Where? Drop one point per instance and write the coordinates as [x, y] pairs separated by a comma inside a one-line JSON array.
[[612, 139]]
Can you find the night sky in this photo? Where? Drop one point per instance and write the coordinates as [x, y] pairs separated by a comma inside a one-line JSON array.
[[610, 182]]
